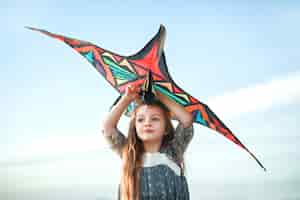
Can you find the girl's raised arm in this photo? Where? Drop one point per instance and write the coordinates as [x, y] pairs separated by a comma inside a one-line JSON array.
[[180, 113], [113, 117]]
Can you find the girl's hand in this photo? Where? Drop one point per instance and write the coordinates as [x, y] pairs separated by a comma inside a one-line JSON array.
[[132, 92]]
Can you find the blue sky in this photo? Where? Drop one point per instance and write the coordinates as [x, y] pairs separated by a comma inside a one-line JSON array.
[[241, 58]]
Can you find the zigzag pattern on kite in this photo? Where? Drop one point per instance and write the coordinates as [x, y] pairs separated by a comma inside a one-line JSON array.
[[120, 71]]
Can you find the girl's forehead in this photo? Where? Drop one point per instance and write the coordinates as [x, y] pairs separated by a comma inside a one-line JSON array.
[[149, 109]]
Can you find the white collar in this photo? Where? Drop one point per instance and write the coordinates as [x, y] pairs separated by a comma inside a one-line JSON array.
[[157, 158]]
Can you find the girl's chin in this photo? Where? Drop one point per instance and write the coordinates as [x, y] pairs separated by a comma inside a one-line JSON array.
[[150, 139]]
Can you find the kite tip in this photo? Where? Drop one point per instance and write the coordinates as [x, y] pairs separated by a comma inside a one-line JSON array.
[[32, 28], [162, 28], [28, 27], [265, 170]]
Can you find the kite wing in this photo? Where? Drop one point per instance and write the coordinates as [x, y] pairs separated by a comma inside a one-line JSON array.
[[120, 71]]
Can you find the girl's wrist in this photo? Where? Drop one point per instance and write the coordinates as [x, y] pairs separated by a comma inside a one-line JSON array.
[[127, 99]]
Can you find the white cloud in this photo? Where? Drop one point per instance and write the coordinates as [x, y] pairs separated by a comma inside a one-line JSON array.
[[58, 146], [260, 97]]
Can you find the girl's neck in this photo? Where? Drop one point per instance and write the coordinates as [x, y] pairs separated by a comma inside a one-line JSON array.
[[152, 147]]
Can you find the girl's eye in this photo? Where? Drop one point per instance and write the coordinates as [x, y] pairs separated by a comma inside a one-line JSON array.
[[140, 120], [155, 119]]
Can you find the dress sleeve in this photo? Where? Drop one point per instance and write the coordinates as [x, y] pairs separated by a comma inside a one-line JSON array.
[[182, 137], [116, 140], [176, 148]]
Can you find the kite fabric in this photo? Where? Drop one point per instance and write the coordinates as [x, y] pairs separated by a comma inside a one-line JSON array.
[[120, 71]]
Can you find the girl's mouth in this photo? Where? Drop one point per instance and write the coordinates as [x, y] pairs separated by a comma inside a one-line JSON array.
[[148, 130]]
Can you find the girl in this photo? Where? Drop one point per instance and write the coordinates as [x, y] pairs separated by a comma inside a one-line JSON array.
[[152, 153]]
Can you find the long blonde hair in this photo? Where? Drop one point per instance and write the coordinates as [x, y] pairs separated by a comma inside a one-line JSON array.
[[133, 154]]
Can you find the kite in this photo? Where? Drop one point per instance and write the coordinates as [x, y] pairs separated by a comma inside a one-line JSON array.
[[120, 71]]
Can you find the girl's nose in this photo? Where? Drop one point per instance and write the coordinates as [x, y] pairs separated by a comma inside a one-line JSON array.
[[147, 122]]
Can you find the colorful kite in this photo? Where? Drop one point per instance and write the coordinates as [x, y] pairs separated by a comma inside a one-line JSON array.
[[120, 71]]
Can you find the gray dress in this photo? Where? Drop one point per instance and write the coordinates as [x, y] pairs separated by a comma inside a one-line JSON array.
[[161, 177]]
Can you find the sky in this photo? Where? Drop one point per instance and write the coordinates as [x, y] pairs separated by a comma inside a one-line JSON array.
[[239, 57]]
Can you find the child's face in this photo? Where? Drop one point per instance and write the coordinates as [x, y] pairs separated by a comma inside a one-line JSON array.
[[150, 123]]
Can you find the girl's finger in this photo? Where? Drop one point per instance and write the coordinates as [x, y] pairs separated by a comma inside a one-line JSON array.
[[130, 88]]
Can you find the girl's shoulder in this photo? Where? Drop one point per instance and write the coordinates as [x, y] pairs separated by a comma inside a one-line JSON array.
[[176, 147], [116, 140]]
